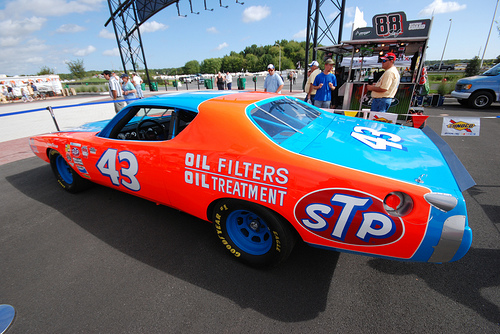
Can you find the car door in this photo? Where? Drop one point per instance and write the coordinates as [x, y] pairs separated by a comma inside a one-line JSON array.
[[129, 159]]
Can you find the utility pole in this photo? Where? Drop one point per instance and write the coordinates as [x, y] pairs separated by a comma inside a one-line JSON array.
[[446, 42], [492, 21]]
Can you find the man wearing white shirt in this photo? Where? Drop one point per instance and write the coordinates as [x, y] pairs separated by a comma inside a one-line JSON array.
[[115, 91], [229, 80], [137, 81]]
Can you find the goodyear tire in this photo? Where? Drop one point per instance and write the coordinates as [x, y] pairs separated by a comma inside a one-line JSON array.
[[67, 178], [252, 233], [480, 100]]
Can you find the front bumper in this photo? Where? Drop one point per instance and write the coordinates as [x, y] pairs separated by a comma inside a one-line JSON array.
[[460, 95]]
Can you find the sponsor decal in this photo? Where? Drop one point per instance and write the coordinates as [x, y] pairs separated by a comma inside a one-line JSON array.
[[75, 151], [460, 126], [348, 216], [78, 161], [92, 150], [68, 157], [383, 117], [85, 152], [82, 169], [244, 179], [416, 26], [362, 33]]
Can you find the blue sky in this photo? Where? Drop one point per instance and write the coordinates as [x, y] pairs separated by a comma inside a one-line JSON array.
[[36, 33]]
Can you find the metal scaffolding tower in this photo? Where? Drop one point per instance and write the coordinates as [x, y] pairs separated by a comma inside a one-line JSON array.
[[321, 27], [127, 16]]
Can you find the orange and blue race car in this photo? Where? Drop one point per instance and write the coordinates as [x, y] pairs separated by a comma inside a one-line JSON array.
[[268, 170]]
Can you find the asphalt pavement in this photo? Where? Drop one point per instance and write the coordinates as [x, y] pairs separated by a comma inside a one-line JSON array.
[[103, 261]]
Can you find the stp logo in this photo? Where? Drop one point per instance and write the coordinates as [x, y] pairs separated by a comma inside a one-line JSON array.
[[348, 216]]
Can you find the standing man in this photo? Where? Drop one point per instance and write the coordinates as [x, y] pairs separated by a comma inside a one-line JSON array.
[[324, 83], [386, 87], [311, 92], [115, 91], [137, 81], [229, 80], [273, 82]]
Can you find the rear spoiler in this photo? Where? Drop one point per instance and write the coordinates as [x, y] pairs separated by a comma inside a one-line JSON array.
[[462, 176]]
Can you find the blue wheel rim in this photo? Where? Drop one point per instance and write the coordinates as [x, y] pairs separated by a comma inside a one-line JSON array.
[[64, 170], [249, 232]]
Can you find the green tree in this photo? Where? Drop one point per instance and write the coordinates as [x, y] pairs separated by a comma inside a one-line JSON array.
[[252, 63], [473, 67], [45, 70], [192, 67], [76, 68], [497, 60], [287, 64], [211, 65], [266, 60], [233, 63]]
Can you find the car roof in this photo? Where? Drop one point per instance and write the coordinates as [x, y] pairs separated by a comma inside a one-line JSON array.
[[185, 100]]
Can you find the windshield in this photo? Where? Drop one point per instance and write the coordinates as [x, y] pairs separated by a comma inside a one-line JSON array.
[[494, 71], [281, 119]]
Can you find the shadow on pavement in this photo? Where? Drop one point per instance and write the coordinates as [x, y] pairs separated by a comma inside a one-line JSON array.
[[186, 247], [461, 281]]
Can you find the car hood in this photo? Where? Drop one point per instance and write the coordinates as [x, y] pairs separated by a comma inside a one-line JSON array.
[[411, 156], [476, 78]]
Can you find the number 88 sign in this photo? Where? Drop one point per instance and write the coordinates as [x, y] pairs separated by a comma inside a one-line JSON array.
[[389, 24]]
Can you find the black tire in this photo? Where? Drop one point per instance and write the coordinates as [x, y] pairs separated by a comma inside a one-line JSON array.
[[480, 100], [252, 233], [67, 178], [463, 102]]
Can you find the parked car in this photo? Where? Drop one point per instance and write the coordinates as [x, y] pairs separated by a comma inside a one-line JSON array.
[[443, 67], [268, 170], [479, 91]]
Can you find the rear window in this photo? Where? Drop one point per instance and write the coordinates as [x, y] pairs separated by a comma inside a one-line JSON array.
[[283, 118]]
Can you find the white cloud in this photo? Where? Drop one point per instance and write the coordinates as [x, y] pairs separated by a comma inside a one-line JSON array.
[[85, 52], [104, 33], [22, 27], [152, 27], [300, 35], [212, 30], [112, 53], [256, 13], [440, 7], [70, 28], [350, 11], [28, 51], [15, 8], [6, 42], [35, 60], [222, 46]]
